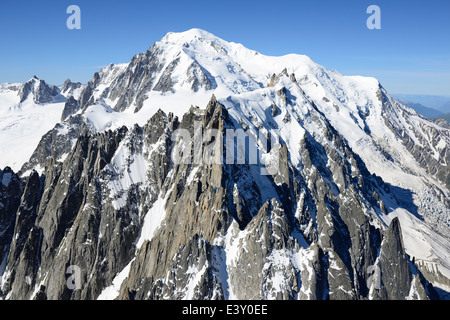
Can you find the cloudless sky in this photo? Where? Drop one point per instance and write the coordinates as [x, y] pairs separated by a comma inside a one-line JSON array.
[[410, 54]]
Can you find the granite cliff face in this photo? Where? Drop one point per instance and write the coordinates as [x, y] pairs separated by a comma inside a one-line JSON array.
[[121, 201], [40, 91]]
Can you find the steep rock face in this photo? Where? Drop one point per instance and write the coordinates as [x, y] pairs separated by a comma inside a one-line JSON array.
[[11, 189], [137, 80], [71, 89], [198, 78], [82, 212], [23, 259], [193, 214], [423, 139], [256, 273], [39, 90], [396, 277], [71, 107], [56, 144], [322, 251]]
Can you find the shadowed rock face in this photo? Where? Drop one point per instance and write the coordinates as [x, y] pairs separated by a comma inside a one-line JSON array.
[[11, 189], [396, 277], [69, 87], [226, 231], [421, 149], [71, 107], [138, 79], [39, 90]]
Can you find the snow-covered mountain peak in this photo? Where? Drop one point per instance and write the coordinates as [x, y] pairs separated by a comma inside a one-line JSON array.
[[70, 88], [27, 112], [35, 81], [39, 91], [198, 60], [191, 35], [6, 87]]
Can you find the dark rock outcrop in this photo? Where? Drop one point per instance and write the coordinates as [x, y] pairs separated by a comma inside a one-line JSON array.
[[39, 90]]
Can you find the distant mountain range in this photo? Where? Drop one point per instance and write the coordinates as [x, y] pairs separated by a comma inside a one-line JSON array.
[[440, 103], [427, 105], [445, 117], [420, 108], [432, 107]]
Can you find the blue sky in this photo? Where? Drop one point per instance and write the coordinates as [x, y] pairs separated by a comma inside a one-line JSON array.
[[410, 54]]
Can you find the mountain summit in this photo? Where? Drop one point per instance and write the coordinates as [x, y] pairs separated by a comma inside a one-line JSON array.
[[39, 90], [124, 190]]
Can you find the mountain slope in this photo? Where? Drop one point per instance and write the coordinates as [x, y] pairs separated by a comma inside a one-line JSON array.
[[361, 185], [425, 111], [440, 103], [27, 111]]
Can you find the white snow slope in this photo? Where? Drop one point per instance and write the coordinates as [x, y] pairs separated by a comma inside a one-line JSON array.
[[22, 125]]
